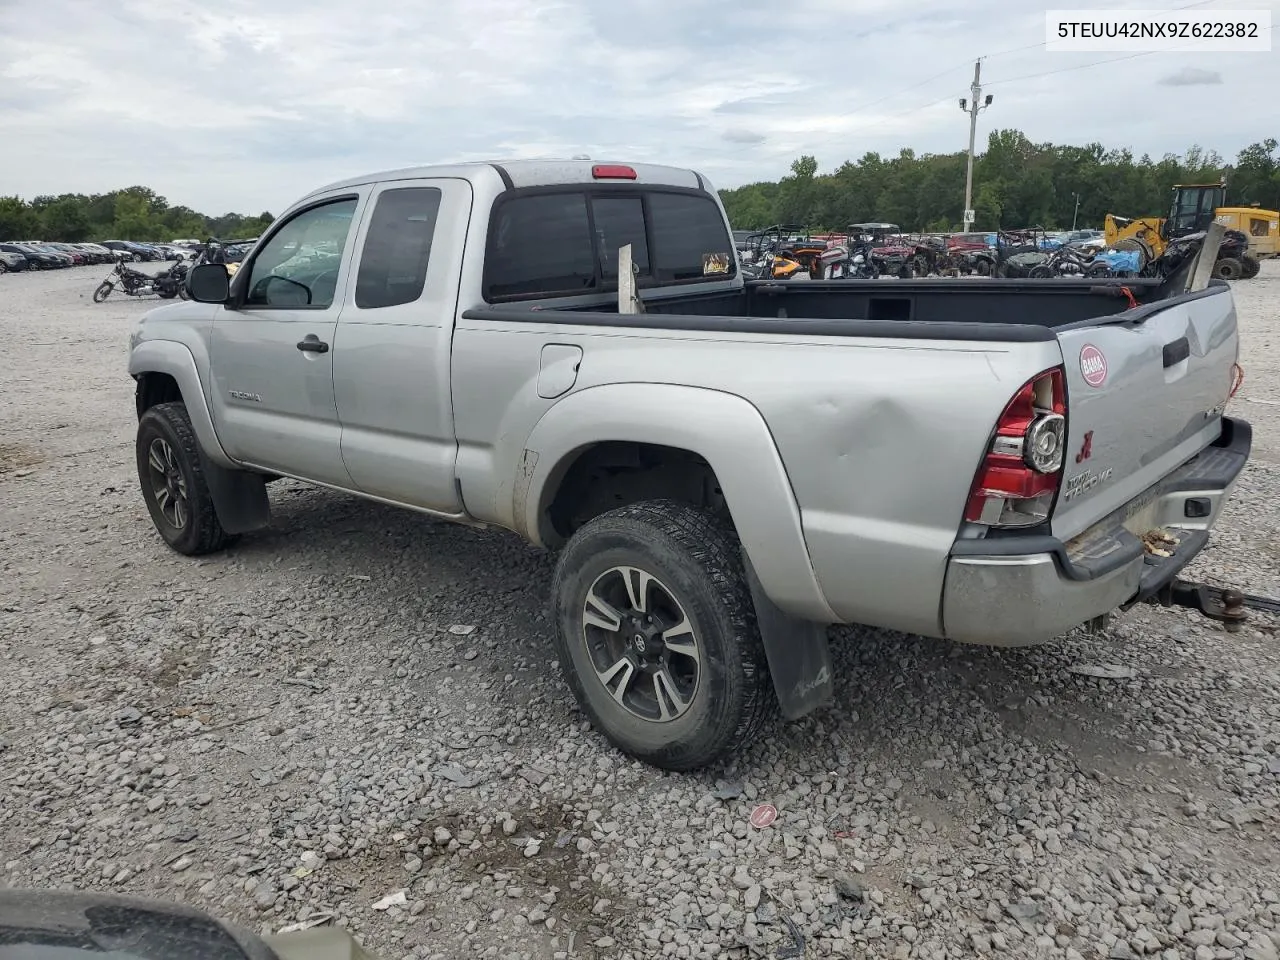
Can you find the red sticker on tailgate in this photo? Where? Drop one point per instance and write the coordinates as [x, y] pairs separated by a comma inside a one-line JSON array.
[[1093, 365]]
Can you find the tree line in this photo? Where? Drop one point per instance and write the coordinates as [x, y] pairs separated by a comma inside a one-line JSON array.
[[134, 213], [1016, 183]]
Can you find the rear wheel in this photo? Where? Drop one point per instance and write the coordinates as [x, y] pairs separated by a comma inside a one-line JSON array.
[[657, 635], [173, 484], [1228, 268], [1251, 265]]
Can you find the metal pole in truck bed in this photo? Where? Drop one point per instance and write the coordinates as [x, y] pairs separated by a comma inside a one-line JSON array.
[[628, 301], [1202, 272]]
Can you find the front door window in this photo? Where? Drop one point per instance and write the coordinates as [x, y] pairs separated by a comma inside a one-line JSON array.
[[298, 266]]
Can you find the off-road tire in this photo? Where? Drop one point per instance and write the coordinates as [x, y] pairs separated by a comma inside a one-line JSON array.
[[698, 558], [1251, 264], [202, 533], [1228, 268]]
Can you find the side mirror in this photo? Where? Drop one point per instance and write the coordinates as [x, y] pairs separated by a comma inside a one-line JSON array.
[[209, 283]]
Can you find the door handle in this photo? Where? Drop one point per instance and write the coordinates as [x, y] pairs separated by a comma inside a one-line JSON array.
[[1176, 352], [313, 344]]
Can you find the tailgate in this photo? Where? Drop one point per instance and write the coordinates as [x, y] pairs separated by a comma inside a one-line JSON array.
[[1143, 397]]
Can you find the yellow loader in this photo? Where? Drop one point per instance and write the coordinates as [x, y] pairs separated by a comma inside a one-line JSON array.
[[1194, 207]]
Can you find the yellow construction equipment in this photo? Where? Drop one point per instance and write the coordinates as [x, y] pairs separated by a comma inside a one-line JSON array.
[[1262, 227], [1194, 207]]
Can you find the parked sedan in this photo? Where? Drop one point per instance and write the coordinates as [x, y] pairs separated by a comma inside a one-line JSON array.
[[97, 253], [12, 262], [37, 259], [78, 257], [132, 251], [67, 260]]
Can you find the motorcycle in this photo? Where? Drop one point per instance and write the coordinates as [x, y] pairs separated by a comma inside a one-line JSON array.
[[134, 283]]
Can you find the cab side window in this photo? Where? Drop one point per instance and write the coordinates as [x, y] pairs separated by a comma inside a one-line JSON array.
[[298, 266], [397, 248]]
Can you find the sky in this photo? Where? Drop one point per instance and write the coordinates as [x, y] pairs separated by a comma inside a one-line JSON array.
[[244, 105]]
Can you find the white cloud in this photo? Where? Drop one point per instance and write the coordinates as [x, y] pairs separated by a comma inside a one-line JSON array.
[[245, 105]]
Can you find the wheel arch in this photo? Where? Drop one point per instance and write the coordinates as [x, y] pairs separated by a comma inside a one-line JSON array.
[[718, 433], [165, 370]]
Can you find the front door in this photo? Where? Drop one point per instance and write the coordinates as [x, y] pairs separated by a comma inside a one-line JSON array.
[[272, 347], [391, 360]]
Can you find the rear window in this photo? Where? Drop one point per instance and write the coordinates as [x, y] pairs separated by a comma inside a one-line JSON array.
[[689, 240], [540, 245], [619, 221], [566, 242]]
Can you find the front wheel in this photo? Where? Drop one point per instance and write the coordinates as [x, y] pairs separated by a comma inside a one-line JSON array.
[[173, 484], [103, 291], [657, 634]]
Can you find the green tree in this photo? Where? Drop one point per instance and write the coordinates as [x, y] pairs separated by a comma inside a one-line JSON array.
[[17, 220], [66, 219]]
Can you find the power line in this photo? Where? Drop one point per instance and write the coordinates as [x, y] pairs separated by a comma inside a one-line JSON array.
[[1033, 46], [1078, 66]]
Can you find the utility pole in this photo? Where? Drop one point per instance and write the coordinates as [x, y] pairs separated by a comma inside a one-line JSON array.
[[972, 108], [1075, 213]]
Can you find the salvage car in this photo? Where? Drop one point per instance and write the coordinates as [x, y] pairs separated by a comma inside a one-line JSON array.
[[726, 468], [12, 262], [36, 257]]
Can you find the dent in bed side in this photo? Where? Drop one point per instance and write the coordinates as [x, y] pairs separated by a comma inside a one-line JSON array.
[[723, 429], [175, 359]]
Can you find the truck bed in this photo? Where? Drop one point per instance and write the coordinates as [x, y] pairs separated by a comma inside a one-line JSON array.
[[996, 310]]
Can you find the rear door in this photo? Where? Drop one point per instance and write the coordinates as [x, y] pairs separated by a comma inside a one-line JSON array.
[[391, 358], [1142, 398]]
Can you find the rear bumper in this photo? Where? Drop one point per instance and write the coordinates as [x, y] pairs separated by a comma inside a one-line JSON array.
[[1018, 591]]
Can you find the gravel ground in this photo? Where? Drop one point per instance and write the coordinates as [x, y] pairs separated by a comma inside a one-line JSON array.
[[360, 701]]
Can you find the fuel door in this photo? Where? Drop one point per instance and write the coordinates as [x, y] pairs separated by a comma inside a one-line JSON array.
[[558, 369]]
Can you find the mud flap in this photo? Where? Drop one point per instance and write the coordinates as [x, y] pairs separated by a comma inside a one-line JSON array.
[[798, 653], [239, 497]]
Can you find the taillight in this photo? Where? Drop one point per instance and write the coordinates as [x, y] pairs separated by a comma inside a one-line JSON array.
[[1019, 475]]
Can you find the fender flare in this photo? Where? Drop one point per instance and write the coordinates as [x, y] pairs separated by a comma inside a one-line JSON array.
[[175, 359], [239, 496], [726, 431]]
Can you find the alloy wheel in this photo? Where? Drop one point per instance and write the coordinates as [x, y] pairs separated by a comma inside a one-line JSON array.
[[642, 644], [167, 483]]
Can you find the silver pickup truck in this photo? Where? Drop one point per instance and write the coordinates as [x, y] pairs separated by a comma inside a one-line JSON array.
[[725, 468]]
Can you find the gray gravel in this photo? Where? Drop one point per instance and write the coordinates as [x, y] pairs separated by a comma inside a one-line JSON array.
[[302, 728]]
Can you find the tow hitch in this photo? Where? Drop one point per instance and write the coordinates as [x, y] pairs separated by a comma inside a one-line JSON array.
[[1225, 605]]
